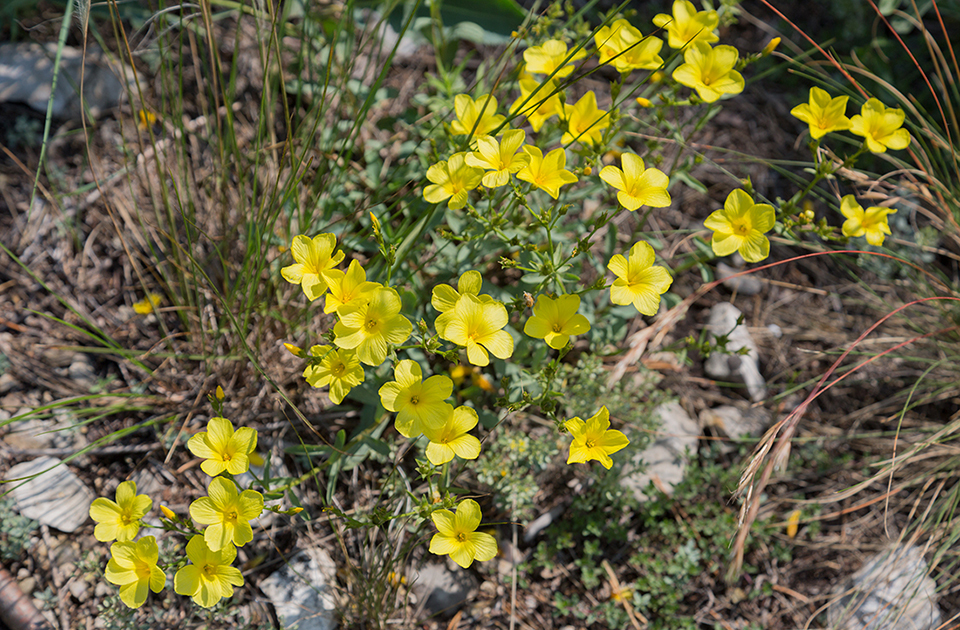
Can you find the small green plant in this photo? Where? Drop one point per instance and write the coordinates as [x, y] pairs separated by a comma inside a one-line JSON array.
[[15, 530]]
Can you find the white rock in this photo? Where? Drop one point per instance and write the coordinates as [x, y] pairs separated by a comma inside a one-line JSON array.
[[56, 497], [303, 591], [736, 424], [892, 591], [729, 365], [664, 461], [746, 284]]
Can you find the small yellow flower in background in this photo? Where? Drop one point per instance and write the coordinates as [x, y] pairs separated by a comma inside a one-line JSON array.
[[872, 222], [546, 173], [148, 304], [444, 297], [551, 56], [710, 71], [219, 393], [638, 186], [793, 523], [644, 102], [120, 520], [340, 369], [457, 536], [377, 228], [556, 320], [419, 404], [538, 101], [880, 126], [477, 379], [371, 326], [770, 47], [347, 288], [222, 448], [294, 350], [626, 48], [475, 117], [170, 514], [823, 113], [315, 257], [133, 567], [594, 439], [451, 439], [638, 281], [740, 226], [499, 159], [478, 325], [584, 121], [210, 577], [146, 119], [226, 513], [452, 180], [688, 25]]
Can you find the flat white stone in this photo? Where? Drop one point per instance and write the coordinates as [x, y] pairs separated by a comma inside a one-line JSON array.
[[663, 461], [56, 497], [302, 591], [729, 365]]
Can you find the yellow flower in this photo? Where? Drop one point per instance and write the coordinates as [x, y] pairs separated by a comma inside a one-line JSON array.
[[500, 159], [315, 257], [226, 513], [170, 514], [148, 304], [623, 45], [823, 113], [880, 126], [477, 325], [871, 222], [555, 320], [688, 25], [638, 186], [638, 281], [644, 102], [710, 71], [419, 404], [538, 100], [347, 288], [546, 173], [594, 439], [475, 117], [452, 180], [340, 369], [444, 297], [210, 577], [222, 448], [770, 47], [584, 121], [371, 326], [120, 520], [133, 567], [456, 535], [551, 58], [451, 439], [146, 119], [740, 226], [460, 372]]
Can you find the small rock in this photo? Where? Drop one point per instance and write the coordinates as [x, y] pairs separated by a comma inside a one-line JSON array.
[[892, 591], [302, 591], [82, 371], [736, 424], [79, 589], [729, 365], [28, 585], [746, 284], [7, 383], [55, 496], [664, 461], [39, 433], [441, 590]]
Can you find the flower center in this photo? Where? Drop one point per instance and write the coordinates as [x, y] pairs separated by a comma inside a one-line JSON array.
[[230, 516], [460, 537], [590, 443], [740, 227], [338, 369], [209, 570], [142, 569]]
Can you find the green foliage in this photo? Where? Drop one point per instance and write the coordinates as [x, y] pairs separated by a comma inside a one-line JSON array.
[[15, 530]]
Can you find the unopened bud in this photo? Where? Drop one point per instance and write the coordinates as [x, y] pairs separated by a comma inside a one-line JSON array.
[[770, 47]]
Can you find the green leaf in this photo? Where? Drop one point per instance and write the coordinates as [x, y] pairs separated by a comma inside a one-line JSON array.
[[685, 178]]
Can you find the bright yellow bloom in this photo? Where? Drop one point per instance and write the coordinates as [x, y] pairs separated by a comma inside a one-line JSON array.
[[594, 439], [555, 320], [710, 71], [456, 535], [584, 121], [478, 325], [210, 577], [315, 257], [538, 100], [347, 288], [419, 404], [871, 222], [638, 281], [546, 173], [880, 126], [623, 45], [120, 520], [500, 159], [688, 25], [444, 297], [638, 186], [475, 117], [226, 513], [452, 180], [371, 326], [551, 56], [148, 304], [338, 369], [451, 439], [133, 567], [823, 113], [740, 226], [222, 448]]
